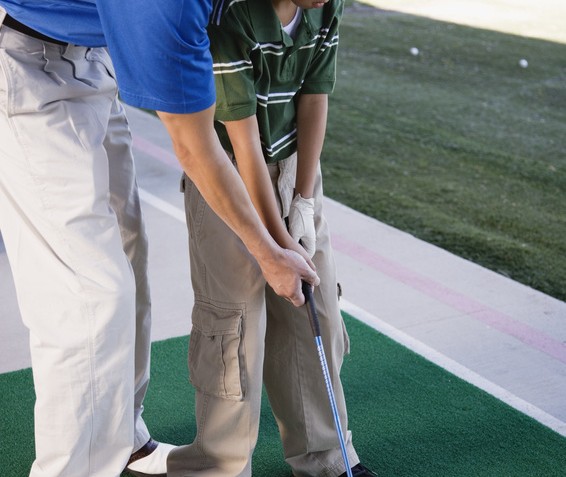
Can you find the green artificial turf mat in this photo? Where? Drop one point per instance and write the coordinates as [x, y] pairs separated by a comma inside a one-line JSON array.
[[408, 417]]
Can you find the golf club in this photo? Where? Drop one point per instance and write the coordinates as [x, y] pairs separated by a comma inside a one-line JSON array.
[[315, 327]]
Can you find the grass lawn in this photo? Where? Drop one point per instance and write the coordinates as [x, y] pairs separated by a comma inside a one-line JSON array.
[[457, 145]]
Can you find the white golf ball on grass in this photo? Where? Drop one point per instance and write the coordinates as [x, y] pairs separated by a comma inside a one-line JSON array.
[[523, 63]]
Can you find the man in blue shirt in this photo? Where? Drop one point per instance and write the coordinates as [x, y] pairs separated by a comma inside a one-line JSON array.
[[70, 214]]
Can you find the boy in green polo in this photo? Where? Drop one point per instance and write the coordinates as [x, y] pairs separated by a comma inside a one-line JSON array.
[[274, 65]]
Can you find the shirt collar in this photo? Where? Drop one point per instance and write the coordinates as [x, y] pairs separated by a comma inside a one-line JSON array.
[[267, 26]]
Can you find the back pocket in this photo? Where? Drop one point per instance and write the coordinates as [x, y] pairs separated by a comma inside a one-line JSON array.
[[216, 359]]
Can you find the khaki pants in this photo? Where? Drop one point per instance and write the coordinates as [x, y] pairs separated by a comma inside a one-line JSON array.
[[71, 222], [243, 332]]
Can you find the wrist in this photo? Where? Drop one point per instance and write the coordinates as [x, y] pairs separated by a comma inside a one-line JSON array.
[[264, 248]]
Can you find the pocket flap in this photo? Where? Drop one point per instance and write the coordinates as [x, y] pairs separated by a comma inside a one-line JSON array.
[[211, 320]]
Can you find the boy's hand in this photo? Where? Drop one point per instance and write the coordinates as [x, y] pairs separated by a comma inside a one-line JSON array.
[[301, 223]]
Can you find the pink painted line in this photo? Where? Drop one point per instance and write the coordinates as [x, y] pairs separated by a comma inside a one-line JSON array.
[[159, 153], [456, 300]]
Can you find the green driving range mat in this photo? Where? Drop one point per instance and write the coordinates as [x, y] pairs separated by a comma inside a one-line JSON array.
[[408, 417]]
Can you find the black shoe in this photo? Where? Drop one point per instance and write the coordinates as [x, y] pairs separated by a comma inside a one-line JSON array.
[[360, 471]]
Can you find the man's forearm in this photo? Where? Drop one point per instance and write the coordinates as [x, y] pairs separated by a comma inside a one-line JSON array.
[[205, 162]]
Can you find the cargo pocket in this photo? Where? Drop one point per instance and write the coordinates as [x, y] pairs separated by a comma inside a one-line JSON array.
[[216, 359]]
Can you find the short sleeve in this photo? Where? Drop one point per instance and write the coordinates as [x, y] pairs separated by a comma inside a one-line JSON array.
[[234, 67], [321, 74], [160, 51]]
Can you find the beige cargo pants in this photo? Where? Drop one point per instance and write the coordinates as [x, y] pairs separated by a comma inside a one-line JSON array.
[[244, 335]]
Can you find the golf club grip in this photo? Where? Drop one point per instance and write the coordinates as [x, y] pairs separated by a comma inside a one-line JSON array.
[[311, 309]]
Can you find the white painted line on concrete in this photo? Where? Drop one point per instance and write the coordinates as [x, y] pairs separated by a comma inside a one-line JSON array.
[[161, 205], [411, 343], [454, 367], [155, 151]]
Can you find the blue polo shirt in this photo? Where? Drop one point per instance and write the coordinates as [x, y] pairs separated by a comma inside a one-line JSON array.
[[159, 48]]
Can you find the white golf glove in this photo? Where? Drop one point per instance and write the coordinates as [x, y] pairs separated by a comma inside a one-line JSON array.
[[301, 223]]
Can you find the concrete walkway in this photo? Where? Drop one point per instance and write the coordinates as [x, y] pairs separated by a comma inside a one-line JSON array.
[[505, 338], [543, 19]]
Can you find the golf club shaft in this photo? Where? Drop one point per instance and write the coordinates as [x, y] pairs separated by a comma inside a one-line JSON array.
[[315, 326]]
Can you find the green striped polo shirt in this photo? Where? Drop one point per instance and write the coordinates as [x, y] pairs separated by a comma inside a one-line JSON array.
[[259, 69]]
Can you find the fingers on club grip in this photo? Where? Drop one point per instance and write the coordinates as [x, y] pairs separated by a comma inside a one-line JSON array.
[[307, 291], [311, 308]]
